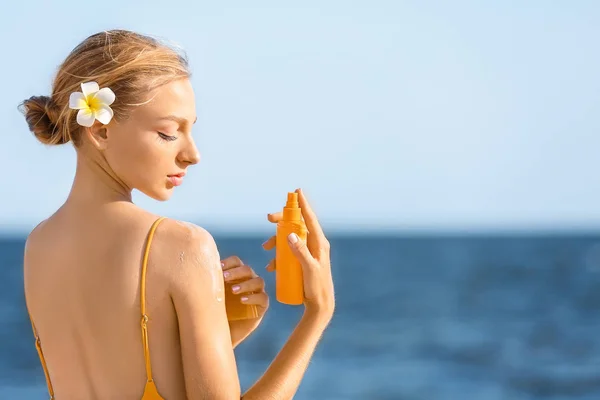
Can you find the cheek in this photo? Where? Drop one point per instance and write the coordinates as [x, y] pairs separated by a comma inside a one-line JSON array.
[[136, 162]]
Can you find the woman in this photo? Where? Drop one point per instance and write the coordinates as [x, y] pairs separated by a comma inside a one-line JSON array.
[[125, 304]]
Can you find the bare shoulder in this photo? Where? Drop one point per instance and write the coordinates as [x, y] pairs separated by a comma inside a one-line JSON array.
[[37, 247], [186, 233], [35, 240], [192, 253]]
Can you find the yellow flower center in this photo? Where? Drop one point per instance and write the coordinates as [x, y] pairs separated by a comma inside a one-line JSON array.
[[93, 103]]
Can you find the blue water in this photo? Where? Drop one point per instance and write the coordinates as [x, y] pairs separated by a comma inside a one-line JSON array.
[[427, 318]]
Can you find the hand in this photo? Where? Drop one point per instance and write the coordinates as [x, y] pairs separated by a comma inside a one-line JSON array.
[[314, 258], [251, 287]]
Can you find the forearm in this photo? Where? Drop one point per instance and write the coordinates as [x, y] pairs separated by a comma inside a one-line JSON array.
[[282, 379]]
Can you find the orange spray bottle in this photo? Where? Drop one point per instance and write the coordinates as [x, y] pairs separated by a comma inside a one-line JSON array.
[[289, 288]]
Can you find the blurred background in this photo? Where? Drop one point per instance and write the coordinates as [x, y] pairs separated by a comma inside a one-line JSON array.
[[449, 148]]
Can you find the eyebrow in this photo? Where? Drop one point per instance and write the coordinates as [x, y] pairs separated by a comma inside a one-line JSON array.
[[179, 120]]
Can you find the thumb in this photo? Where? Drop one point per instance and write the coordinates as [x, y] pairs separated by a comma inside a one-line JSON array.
[[299, 249]]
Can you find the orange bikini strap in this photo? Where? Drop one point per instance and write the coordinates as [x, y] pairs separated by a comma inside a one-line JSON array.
[[38, 347], [144, 320]]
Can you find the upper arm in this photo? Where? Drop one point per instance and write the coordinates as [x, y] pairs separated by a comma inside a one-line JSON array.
[[197, 291]]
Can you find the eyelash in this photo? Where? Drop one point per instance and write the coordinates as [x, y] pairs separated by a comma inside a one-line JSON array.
[[166, 138]]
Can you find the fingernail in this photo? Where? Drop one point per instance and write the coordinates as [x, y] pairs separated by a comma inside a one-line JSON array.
[[226, 274], [293, 238], [222, 265], [235, 289], [244, 298]]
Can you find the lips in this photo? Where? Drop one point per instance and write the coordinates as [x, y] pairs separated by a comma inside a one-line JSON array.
[[176, 179]]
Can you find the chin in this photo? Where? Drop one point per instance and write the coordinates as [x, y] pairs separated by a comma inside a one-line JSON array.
[[160, 195]]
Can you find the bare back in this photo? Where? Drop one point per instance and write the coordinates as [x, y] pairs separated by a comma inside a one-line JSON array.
[[82, 286]]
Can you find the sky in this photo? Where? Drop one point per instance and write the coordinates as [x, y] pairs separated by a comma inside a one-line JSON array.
[[392, 115]]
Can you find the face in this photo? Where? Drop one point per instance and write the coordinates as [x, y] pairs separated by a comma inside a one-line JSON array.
[[152, 149]]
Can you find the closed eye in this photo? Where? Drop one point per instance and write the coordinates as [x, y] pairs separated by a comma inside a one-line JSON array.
[[167, 137]]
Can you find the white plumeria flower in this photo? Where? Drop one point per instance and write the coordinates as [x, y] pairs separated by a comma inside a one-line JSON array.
[[93, 104]]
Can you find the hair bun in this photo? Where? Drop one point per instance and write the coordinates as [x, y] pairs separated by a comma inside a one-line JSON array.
[[42, 115]]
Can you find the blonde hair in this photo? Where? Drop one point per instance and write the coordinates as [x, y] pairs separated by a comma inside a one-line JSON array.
[[129, 63]]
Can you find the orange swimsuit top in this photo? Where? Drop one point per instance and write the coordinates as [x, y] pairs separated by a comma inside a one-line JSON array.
[[150, 391]]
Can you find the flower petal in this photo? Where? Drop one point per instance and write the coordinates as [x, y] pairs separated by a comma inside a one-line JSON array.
[[77, 101], [104, 114], [85, 117], [89, 88], [105, 95]]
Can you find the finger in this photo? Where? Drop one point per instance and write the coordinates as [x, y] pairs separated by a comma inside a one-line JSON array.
[[244, 272], [316, 240], [271, 266], [270, 243], [231, 262], [310, 218], [278, 216], [300, 250], [259, 299], [253, 285], [275, 217]]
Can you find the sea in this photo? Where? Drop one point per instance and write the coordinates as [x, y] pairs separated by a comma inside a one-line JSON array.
[[419, 317]]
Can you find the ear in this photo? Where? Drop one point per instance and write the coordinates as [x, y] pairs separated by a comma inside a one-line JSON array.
[[98, 135]]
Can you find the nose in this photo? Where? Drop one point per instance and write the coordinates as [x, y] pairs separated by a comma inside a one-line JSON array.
[[189, 154]]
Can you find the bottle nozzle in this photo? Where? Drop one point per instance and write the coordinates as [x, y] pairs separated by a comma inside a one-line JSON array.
[[291, 211], [292, 199]]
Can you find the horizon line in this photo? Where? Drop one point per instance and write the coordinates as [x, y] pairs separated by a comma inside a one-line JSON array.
[[386, 230]]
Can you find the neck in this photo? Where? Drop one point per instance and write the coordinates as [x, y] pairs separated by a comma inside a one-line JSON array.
[[95, 183]]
